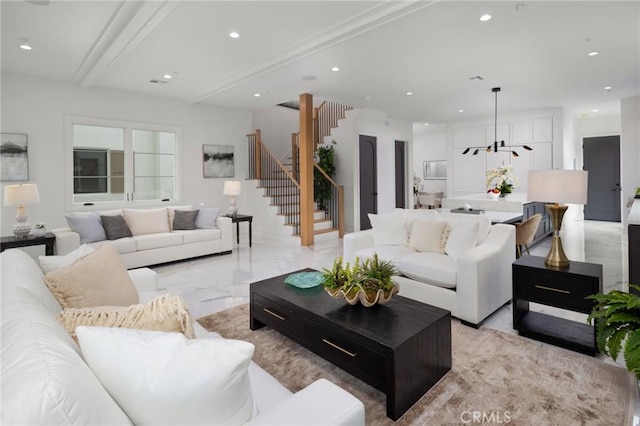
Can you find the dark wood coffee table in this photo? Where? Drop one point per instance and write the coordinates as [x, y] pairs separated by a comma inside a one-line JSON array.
[[401, 348]]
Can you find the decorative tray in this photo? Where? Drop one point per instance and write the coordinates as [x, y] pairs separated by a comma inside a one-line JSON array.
[[305, 279], [461, 210]]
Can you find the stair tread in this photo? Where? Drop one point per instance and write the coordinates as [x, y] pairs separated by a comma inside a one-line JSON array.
[[315, 221], [320, 231]]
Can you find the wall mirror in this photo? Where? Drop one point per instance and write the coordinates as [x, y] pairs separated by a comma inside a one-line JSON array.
[[435, 169]]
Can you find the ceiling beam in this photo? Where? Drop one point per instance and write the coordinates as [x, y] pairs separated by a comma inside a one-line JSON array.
[[127, 28], [387, 11]]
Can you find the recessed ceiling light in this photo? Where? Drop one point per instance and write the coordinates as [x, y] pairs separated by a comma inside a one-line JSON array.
[[167, 76], [24, 45], [608, 88], [595, 110], [460, 110], [257, 95], [485, 17], [594, 53], [335, 69], [426, 124], [409, 93], [234, 34]]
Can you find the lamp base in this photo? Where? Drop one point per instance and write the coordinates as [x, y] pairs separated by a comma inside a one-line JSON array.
[[556, 257], [21, 229]]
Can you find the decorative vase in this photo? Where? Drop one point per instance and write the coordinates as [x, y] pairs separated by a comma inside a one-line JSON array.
[[493, 195], [38, 232], [380, 297], [504, 194]]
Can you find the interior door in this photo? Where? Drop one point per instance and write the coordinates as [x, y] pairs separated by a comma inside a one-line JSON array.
[[602, 161], [368, 179], [401, 188]]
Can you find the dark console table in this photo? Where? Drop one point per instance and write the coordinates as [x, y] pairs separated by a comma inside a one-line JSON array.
[[48, 240], [565, 288], [401, 348]]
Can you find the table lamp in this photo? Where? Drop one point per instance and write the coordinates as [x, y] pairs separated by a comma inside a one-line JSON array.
[[20, 196], [555, 187], [232, 188]]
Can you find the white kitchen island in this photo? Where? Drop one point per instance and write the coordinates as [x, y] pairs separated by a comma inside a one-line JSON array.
[[514, 202]]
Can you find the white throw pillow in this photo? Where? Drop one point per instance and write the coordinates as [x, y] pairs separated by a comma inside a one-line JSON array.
[[463, 236], [152, 221], [164, 378], [427, 236], [388, 229], [49, 263]]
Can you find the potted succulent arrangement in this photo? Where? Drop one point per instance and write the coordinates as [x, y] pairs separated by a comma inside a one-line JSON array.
[[369, 282], [617, 320]]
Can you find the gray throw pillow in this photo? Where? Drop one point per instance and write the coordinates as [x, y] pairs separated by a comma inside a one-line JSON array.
[[206, 219], [115, 227], [88, 226], [185, 219]]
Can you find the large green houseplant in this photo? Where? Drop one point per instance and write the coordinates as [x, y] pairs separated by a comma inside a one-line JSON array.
[[617, 320], [321, 186], [369, 282]]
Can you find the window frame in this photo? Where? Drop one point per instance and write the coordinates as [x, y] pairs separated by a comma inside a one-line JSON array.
[[128, 127]]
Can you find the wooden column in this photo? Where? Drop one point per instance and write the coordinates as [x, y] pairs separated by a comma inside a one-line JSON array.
[[306, 169]]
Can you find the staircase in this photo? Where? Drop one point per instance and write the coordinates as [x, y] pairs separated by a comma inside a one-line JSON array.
[[280, 182]]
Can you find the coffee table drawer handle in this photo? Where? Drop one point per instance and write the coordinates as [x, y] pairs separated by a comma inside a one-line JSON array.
[[274, 314], [552, 289], [333, 345]]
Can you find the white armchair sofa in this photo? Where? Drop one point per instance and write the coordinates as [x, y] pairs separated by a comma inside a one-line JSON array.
[[46, 381], [154, 240], [472, 281]]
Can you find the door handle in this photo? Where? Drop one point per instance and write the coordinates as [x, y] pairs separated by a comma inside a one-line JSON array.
[[617, 189]]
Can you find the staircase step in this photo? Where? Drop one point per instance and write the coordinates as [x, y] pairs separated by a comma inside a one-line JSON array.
[[324, 235]]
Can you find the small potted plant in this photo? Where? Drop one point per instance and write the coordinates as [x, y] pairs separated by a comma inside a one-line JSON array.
[[368, 282], [617, 320]]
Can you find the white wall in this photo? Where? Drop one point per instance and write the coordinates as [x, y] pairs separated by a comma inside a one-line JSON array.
[[276, 125], [37, 107], [629, 150], [430, 147]]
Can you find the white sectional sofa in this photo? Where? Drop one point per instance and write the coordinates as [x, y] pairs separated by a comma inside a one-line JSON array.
[[45, 379], [153, 239], [466, 270]]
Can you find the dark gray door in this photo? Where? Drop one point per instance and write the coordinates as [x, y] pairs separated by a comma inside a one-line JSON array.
[[400, 175], [368, 180], [602, 161]]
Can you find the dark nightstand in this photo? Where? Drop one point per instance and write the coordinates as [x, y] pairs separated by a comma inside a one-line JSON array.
[[12, 242], [564, 288], [242, 218]]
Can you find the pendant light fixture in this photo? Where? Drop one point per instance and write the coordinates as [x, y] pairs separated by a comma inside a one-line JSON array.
[[497, 146]]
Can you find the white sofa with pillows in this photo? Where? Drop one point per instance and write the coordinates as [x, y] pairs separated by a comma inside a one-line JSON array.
[[147, 237], [458, 262], [123, 376]]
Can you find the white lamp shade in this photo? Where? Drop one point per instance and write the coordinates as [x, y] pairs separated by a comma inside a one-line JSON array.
[[21, 195], [232, 187], [558, 186]]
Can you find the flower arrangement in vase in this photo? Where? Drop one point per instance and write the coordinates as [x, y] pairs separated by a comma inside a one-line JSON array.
[[368, 282], [502, 180]]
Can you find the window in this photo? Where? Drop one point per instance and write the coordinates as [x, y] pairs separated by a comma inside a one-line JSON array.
[[117, 163]]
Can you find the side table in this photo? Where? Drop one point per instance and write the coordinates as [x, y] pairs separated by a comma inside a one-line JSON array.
[[12, 242], [565, 288], [242, 218]]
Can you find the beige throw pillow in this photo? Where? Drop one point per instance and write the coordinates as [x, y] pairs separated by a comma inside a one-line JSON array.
[[164, 313], [428, 236], [98, 279], [151, 221]]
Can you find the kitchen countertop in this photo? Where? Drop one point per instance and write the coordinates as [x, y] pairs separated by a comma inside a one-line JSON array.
[[481, 201]]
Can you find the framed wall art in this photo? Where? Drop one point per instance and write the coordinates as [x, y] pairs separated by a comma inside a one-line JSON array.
[[217, 161], [14, 157]]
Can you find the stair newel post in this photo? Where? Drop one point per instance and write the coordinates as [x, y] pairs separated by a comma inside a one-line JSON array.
[[306, 169], [341, 211], [258, 159], [294, 156]]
